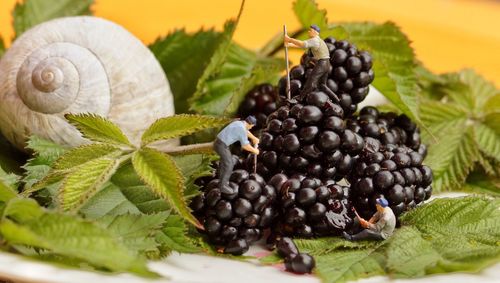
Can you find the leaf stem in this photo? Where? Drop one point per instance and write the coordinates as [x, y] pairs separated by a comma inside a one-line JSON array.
[[198, 148]]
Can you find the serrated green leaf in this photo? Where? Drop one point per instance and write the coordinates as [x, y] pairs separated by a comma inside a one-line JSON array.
[[161, 174], [478, 182], [180, 125], [22, 209], [32, 12], [492, 105], [44, 148], [2, 47], [492, 120], [136, 231], [6, 192], [109, 201], [49, 180], [307, 13], [343, 266], [488, 141], [174, 236], [438, 228], [80, 155], [194, 166], [138, 193], [85, 181], [273, 258], [184, 57], [325, 245], [240, 70], [469, 90], [452, 158], [394, 70], [72, 237], [99, 129]]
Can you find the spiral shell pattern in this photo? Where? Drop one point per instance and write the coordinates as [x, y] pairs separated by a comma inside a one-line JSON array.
[[79, 65]]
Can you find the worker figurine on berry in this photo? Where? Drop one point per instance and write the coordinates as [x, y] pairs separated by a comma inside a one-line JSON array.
[[235, 131], [321, 59], [379, 227]]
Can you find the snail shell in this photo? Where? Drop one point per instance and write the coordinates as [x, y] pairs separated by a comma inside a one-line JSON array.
[[79, 65]]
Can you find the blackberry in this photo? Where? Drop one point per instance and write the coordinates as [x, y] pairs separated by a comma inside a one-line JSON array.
[[348, 79], [308, 137], [309, 207], [294, 260], [395, 172], [234, 221], [259, 102], [388, 127]]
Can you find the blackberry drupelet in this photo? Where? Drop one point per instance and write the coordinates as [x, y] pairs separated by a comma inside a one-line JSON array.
[[349, 77], [259, 102], [393, 171], [308, 207], [234, 221]]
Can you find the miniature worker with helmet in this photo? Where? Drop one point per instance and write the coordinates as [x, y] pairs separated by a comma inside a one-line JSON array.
[[379, 227], [235, 131], [321, 56]]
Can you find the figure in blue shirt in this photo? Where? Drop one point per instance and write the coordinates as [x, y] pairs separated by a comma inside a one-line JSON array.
[[235, 131]]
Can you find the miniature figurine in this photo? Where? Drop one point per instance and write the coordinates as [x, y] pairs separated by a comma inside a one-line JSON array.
[[379, 227], [321, 56], [235, 131]]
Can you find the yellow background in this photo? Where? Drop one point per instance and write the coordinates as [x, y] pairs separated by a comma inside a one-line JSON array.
[[447, 34]]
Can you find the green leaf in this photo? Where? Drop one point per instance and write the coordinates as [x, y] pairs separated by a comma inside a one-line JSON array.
[[308, 14], [136, 231], [85, 153], [84, 182], [109, 201], [2, 47], [238, 73], [194, 166], [72, 237], [32, 12], [174, 236], [452, 158], [99, 129], [488, 141], [44, 148], [161, 174], [6, 192], [478, 182], [178, 126], [393, 62], [492, 105], [22, 209], [184, 57], [347, 265], [273, 258], [438, 228], [469, 90], [493, 121]]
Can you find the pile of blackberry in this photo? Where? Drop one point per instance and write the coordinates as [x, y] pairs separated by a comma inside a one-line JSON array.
[[349, 77], [233, 221], [259, 102], [309, 207], [393, 171], [308, 137]]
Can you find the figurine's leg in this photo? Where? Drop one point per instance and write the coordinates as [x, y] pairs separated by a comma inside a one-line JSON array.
[[319, 70], [366, 234], [225, 165]]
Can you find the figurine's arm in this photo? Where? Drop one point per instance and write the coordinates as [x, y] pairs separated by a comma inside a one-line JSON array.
[[250, 148], [254, 139], [295, 42]]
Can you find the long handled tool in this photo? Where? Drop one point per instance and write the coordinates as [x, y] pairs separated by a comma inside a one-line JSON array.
[[255, 160], [287, 67]]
